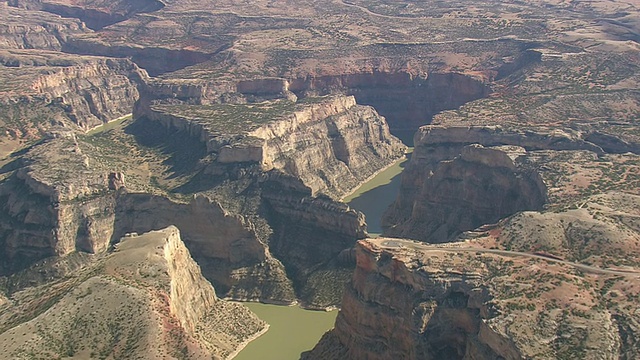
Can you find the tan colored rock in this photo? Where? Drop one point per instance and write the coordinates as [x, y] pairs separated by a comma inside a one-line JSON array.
[[146, 299], [480, 186], [413, 301]]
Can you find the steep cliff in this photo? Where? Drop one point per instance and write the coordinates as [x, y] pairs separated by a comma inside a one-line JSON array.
[[330, 143], [56, 205], [257, 234], [81, 91], [406, 98], [480, 186], [225, 245], [48, 210], [28, 29], [540, 156], [96, 14], [424, 302], [146, 299]]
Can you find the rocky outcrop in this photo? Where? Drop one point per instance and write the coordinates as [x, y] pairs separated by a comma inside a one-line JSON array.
[[43, 216], [480, 186], [155, 60], [436, 147], [309, 234], [95, 14], [146, 299], [93, 93], [29, 29], [225, 245], [405, 99], [398, 307], [285, 153], [411, 301], [330, 143], [52, 89]]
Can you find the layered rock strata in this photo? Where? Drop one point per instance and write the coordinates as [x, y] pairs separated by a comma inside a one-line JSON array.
[[407, 100], [330, 143], [258, 233], [225, 245], [424, 302], [479, 186], [44, 215], [95, 14], [48, 88], [442, 152], [147, 298]]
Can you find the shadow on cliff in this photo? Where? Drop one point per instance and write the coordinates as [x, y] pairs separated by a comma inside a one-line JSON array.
[[184, 153], [453, 331]]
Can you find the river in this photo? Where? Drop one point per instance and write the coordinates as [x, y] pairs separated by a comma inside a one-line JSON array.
[[294, 330], [375, 196]]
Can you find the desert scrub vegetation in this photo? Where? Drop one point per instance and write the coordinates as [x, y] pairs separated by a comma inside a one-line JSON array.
[[230, 119]]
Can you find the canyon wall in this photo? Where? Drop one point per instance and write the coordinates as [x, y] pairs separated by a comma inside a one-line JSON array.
[[28, 29], [145, 299], [50, 89], [225, 245], [479, 186], [258, 231], [44, 216], [406, 100], [453, 197], [330, 143], [95, 14], [396, 306], [44, 87], [415, 301]]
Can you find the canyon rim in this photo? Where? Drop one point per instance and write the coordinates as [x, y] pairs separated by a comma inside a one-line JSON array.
[[159, 158]]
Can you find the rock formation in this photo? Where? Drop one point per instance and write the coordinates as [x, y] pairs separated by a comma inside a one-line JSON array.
[[419, 302], [257, 215], [480, 186], [330, 143], [253, 118], [146, 299]]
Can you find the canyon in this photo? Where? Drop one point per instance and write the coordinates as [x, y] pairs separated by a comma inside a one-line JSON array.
[[240, 127], [147, 292]]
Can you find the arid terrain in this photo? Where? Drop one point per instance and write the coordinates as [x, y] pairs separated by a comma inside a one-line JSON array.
[[235, 128]]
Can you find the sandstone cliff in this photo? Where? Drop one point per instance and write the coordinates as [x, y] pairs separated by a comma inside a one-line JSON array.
[[537, 152], [257, 234], [61, 89], [480, 186], [45, 213], [330, 143], [96, 14], [225, 245], [27, 29], [412, 301], [146, 299], [406, 97]]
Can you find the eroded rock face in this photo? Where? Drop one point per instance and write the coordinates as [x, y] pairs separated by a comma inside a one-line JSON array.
[[146, 299], [52, 89], [330, 143], [56, 205], [95, 14], [480, 186], [407, 101], [28, 29], [224, 244], [398, 308], [415, 301], [43, 217]]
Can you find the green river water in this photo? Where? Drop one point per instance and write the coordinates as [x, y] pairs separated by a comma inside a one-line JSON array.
[[294, 330]]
